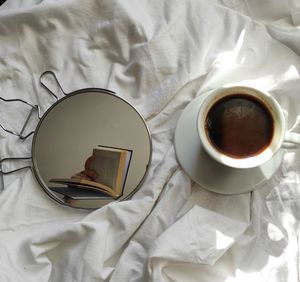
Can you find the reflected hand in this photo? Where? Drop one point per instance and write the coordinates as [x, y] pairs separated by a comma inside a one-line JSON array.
[[88, 173]]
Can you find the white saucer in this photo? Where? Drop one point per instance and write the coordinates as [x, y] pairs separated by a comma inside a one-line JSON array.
[[207, 172]]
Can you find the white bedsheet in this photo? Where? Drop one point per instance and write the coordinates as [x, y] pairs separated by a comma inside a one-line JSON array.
[[158, 55]]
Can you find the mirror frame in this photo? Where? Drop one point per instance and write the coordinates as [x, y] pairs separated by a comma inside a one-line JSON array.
[[69, 95]]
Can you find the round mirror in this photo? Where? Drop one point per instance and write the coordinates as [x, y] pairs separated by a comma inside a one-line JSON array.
[[81, 127]]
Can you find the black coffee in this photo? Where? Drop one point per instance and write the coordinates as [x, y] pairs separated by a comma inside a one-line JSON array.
[[239, 126]]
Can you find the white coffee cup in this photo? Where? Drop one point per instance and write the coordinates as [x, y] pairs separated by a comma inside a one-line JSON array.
[[281, 138]]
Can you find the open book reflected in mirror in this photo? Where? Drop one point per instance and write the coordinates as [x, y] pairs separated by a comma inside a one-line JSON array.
[[105, 171]]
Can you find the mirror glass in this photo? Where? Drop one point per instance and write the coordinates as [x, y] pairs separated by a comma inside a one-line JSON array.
[[78, 127]]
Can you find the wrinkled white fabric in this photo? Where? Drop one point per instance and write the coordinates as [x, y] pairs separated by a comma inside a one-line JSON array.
[[158, 55]]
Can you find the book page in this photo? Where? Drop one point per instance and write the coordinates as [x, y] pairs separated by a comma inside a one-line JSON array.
[[106, 164]]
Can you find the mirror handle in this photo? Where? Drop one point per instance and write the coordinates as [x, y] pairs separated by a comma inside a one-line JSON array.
[[56, 81]]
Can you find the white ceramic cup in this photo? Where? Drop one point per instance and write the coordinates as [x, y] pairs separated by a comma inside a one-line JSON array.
[[281, 137]]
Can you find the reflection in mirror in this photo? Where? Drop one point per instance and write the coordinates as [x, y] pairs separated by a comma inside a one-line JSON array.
[[91, 148]]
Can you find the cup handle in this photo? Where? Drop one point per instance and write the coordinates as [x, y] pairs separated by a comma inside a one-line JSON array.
[[291, 140]]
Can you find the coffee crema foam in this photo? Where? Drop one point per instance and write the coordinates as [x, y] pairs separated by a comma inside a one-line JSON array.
[[239, 126]]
